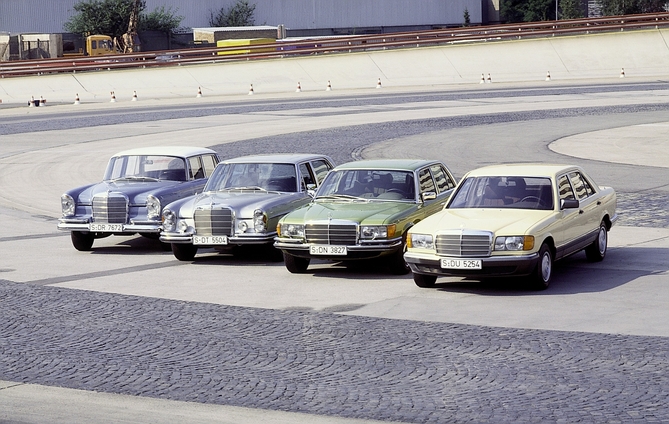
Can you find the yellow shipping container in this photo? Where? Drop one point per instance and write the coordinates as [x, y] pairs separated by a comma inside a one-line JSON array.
[[245, 42]]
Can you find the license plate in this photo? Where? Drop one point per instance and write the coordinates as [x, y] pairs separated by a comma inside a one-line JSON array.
[[210, 240], [461, 264], [328, 250], [105, 228]]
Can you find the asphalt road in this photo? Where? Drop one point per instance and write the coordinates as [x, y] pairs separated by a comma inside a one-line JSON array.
[[336, 343]]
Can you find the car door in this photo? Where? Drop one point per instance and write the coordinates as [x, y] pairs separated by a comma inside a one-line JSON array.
[[433, 201], [588, 221], [568, 230]]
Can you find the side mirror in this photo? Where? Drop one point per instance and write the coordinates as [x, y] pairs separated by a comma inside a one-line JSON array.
[[568, 204], [428, 195], [311, 189]]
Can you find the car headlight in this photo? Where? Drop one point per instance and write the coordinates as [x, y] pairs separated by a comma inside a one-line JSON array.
[[67, 205], [259, 221], [169, 220], [152, 207], [420, 241], [374, 232], [291, 230], [514, 243]]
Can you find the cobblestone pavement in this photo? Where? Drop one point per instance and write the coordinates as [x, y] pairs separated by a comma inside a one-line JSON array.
[[330, 364], [325, 363]]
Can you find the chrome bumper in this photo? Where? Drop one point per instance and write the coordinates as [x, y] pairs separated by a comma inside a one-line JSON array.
[[492, 266]]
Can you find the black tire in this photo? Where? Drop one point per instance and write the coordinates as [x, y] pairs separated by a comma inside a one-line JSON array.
[[294, 264], [540, 278], [82, 241], [596, 252], [184, 252], [423, 280], [398, 265]]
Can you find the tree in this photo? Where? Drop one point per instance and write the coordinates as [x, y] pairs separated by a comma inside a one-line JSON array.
[[466, 18], [108, 17], [111, 17], [628, 7], [160, 20], [240, 14], [571, 9], [512, 10]]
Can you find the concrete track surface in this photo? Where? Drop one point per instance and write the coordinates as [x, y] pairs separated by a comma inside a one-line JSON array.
[[126, 333]]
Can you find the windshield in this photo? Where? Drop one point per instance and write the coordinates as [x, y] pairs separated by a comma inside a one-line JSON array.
[[146, 167], [254, 176], [368, 184], [504, 192]]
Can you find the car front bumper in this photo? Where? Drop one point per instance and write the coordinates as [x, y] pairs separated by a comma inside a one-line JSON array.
[[493, 266], [358, 251], [82, 224], [236, 240]]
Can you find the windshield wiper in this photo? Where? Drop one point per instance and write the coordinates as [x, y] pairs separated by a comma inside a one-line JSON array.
[[340, 197], [136, 178], [246, 188]]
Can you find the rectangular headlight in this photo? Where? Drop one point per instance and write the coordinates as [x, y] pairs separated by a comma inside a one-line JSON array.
[[291, 230], [421, 241], [514, 243], [374, 232]]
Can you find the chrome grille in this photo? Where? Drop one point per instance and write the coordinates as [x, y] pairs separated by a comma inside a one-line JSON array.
[[336, 234], [213, 222], [466, 244], [110, 208]]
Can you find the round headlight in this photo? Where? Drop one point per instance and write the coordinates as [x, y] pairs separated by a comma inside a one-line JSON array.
[[259, 221], [67, 205], [243, 226], [152, 207], [169, 220]]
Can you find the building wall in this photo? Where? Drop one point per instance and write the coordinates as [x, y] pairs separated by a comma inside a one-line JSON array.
[[49, 16]]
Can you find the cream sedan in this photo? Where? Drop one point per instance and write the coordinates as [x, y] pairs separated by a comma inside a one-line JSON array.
[[513, 219]]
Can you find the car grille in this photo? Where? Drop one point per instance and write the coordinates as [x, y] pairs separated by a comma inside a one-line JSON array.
[[342, 234], [111, 208], [213, 222], [464, 243]]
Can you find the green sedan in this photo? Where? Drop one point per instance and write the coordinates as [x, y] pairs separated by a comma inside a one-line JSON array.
[[363, 210]]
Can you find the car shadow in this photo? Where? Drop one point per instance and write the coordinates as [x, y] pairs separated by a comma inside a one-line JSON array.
[[574, 274], [128, 245]]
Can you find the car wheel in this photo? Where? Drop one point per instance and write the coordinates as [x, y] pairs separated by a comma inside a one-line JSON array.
[[184, 252], [398, 265], [423, 280], [541, 277], [82, 241], [597, 250], [294, 264]]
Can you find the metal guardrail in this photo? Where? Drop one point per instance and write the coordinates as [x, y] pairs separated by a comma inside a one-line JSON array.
[[336, 45]]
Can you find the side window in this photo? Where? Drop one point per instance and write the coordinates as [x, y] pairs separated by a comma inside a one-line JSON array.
[[209, 162], [441, 177], [196, 172], [425, 181], [321, 169], [579, 185], [305, 176], [566, 192]]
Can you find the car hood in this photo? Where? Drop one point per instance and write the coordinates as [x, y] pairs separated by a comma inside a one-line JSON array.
[[372, 213], [503, 221], [136, 191], [243, 203]]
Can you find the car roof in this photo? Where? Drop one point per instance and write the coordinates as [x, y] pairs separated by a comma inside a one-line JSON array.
[[387, 164], [277, 157], [523, 170], [181, 151]]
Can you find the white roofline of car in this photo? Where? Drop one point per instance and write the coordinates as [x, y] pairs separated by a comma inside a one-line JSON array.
[[278, 157], [180, 151]]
